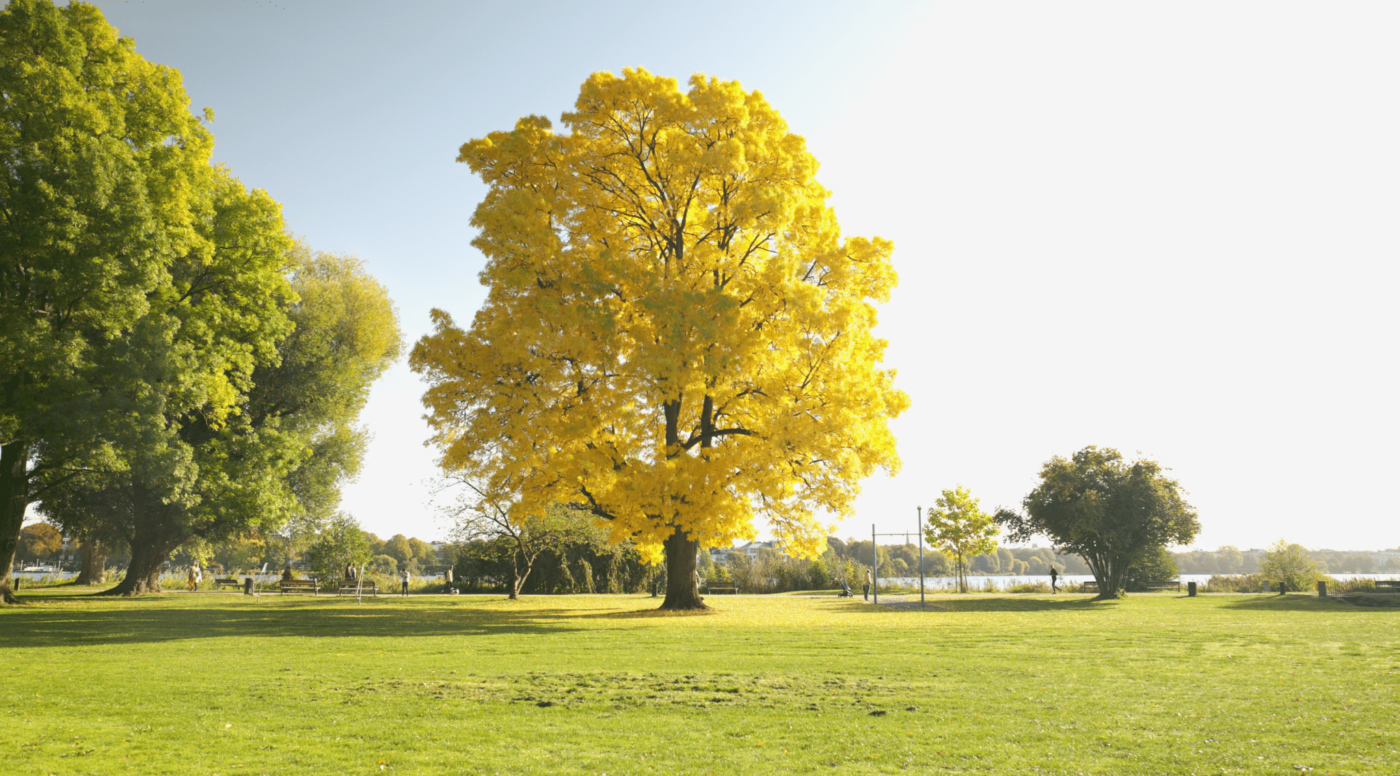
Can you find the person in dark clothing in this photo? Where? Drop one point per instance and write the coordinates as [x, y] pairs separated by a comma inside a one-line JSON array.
[[1054, 580]]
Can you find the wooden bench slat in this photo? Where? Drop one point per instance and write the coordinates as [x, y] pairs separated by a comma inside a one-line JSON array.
[[299, 586], [357, 588]]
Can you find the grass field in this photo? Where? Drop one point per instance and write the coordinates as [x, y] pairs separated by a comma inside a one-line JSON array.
[[1153, 684]]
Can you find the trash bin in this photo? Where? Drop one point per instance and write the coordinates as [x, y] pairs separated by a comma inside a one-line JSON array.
[[1321, 589], [1191, 589]]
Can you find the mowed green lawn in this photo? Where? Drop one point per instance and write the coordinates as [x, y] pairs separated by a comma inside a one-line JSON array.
[[1154, 684]]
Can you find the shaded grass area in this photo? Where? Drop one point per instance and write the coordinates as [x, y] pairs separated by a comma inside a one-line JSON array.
[[210, 683]]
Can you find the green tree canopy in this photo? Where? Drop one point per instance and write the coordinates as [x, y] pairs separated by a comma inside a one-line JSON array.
[[283, 454], [1109, 512], [104, 174], [340, 544]]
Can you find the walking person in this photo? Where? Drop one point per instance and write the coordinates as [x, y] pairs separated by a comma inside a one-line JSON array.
[[1054, 580], [404, 577], [451, 590], [868, 581]]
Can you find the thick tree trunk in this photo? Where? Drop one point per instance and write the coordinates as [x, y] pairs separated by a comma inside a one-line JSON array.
[[156, 532], [682, 592], [14, 499], [94, 571], [143, 573], [1109, 579]]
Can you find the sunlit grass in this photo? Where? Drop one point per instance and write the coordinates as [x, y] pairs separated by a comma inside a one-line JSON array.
[[224, 684]]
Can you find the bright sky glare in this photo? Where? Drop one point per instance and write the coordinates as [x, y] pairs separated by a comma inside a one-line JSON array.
[[1167, 228]]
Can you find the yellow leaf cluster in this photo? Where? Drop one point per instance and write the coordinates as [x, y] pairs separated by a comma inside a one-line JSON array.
[[676, 333]]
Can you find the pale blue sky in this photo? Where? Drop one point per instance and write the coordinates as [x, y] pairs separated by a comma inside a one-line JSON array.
[[1166, 228]]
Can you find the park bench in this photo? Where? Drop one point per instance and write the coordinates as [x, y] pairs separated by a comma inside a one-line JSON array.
[[355, 587], [220, 584], [1089, 587], [1175, 584], [1388, 586], [299, 586], [713, 589]]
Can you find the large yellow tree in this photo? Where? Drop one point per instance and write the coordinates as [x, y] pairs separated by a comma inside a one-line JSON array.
[[676, 333]]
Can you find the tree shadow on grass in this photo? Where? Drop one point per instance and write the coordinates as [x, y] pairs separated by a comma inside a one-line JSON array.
[[161, 620], [986, 603], [1312, 603]]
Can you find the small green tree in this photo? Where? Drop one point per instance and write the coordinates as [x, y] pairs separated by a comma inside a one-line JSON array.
[[1291, 565], [341, 543], [958, 526]]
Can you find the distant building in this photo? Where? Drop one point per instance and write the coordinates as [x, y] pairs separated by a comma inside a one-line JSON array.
[[721, 556]]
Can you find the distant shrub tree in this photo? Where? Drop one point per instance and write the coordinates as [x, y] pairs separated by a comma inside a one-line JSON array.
[[1291, 565], [384, 564], [1109, 512], [39, 541], [341, 543]]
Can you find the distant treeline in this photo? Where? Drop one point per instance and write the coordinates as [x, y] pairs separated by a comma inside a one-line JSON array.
[[1228, 560], [903, 560]]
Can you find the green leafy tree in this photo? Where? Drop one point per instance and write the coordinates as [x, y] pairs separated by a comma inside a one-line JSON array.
[[398, 548], [1109, 512], [958, 526], [1290, 564], [340, 544], [383, 564], [423, 552], [280, 459], [102, 164]]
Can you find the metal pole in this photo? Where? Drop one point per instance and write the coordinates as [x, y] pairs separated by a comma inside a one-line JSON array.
[[874, 566], [921, 555]]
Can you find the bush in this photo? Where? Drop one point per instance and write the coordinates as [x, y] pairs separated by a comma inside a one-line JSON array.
[[1157, 567], [1338, 586], [1290, 564], [1241, 583]]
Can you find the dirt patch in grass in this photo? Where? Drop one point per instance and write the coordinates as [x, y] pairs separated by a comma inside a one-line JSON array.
[[620, 691]]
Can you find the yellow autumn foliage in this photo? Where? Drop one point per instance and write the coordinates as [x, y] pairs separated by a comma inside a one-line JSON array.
[[676, 332]]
